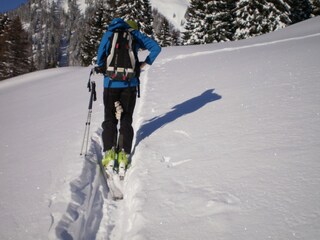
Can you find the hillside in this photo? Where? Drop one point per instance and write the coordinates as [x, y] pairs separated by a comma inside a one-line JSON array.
[[227, 147]]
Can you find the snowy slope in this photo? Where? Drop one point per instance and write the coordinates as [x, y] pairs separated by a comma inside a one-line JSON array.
[[227, 147], [173, 10]]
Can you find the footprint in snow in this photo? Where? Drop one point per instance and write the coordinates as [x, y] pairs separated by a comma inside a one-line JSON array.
[[222, 202], [214, 203]]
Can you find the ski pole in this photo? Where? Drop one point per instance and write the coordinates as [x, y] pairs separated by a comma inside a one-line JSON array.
[[93, 97]]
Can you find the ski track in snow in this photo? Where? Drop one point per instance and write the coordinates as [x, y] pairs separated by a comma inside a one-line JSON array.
[[83, 213], [90, 202], [90, 206]]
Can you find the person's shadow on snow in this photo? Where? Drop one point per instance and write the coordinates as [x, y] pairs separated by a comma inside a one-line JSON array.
[[178, 111]]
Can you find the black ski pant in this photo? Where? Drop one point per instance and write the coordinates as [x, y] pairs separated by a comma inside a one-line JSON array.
[[127, 99]]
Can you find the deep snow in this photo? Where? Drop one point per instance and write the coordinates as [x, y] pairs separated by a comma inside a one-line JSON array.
[[227, 147]]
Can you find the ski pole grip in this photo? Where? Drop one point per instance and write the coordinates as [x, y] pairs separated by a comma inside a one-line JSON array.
[[93, 95], [89, 81], [94, 91]]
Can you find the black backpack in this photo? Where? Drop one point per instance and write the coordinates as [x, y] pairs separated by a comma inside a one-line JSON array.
[[121, 62]]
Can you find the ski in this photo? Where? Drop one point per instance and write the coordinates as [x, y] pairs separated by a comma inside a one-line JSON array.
[[115, 191]]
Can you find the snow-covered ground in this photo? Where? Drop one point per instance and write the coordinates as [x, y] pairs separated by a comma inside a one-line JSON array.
[[227, 147]]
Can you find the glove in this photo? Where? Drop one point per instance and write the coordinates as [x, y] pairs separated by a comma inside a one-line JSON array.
[[99, 69], [142, 64], [119, 110]]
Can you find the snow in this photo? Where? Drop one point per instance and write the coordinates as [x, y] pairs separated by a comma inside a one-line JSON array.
[[227, 147], [173, 10]]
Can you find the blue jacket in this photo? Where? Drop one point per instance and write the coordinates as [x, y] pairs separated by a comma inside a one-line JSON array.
[[142, 41]]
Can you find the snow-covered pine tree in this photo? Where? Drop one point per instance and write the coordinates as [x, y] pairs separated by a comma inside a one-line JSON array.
[[176, 37], [45, 29], [125, 9], [53, 32], [139, 11], [164, 37], [315, 7], [279, 14], [299, 10], [253, 18], [195, 18], [97, 26], [111, 7], [15, 48], [145, 18], [38, 24], [74, 22], [21, 48], [218, 21], [5, 22]]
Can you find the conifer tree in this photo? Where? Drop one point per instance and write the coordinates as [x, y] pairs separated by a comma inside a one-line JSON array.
[[125, 9], [97, 26], [74, 23], [164, 37], [42, 35], [176, 39], [300, 10], [46, 27], [195, 17], [21, 48], [15, 49], [5, 22], [218, 21], [145, 18], [139, 11], [209, 21], [315, 7], [53, 31], [253, 18]]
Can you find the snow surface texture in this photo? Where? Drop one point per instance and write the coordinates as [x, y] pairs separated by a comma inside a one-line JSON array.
[[227, 147]]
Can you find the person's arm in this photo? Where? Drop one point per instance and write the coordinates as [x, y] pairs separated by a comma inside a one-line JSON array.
[[149, 44], [102, 50]]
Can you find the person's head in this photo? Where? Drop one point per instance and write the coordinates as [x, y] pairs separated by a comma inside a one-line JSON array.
[[134, 25]]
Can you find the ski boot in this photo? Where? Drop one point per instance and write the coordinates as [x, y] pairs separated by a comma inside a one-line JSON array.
[[109, 159], [123, 160]]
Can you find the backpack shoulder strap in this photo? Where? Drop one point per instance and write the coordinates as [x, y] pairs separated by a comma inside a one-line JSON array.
[[113, 41]]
